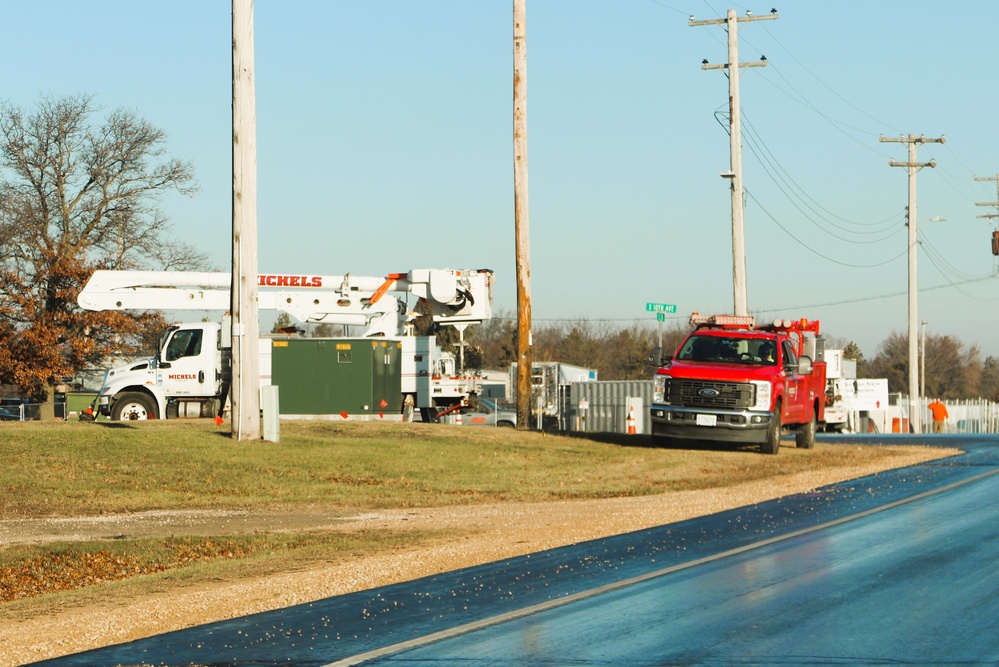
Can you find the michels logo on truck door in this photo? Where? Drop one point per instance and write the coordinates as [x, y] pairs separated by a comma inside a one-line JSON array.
[[289, 281]]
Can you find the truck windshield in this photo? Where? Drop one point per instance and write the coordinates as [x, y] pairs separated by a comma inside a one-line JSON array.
[[163, 339], [729, 349]]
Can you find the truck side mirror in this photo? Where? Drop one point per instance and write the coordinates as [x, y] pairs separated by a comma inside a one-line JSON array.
[[658, 357], [804, 365]]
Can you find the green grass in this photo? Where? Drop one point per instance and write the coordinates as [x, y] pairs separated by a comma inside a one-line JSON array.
[[75, 469], [71, 469]]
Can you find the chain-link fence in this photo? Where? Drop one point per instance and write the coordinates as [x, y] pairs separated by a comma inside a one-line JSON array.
[[15, 409]]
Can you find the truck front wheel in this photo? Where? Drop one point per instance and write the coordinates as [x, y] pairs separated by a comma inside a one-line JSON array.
[[133, 406], [772, 444], [804, 437]]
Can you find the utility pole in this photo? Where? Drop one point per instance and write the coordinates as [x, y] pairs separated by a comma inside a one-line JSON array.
[[525, 360], [731, 24], [990, 203], [245, 397], [913, 223]]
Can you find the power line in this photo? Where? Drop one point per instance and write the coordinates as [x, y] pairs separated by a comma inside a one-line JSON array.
[[879, 122], [782, 309], [778, 174], [665, 6], [813, 250]]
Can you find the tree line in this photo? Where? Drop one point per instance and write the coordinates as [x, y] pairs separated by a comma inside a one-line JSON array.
[[952, 369], [79, 193]]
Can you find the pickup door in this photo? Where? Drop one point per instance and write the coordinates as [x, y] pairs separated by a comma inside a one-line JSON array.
[[796, 387]]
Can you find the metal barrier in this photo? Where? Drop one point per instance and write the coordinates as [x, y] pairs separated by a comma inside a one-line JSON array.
[[24, 411]]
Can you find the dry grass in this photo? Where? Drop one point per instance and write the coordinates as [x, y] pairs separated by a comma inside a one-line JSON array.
[[74, 469], [376, 504], [84, 469]]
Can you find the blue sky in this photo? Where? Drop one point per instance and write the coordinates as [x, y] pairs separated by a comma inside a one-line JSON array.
[[385, 144]]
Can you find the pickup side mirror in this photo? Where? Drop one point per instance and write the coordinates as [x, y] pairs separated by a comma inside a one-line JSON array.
[[804, 365], [658, 357]]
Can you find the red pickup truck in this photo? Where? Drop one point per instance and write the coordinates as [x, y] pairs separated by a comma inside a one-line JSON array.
[[733, 381]]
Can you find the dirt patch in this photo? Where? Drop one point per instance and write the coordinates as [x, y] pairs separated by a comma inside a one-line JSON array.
[[165, 523], [484, 533]]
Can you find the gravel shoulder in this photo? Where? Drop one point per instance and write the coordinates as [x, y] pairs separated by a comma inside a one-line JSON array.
[[482, 533]]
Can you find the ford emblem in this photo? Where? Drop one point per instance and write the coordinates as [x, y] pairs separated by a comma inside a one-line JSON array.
[[708, 392]]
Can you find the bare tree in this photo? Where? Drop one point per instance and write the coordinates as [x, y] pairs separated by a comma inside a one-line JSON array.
[[951, 370], [989, 386], [77, 196]]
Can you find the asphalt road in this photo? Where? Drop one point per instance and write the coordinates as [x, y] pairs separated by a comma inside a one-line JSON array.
[[898, 568]]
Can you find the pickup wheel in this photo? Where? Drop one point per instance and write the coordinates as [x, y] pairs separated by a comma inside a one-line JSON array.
[[133, 406], [804, 438], [772, 444]]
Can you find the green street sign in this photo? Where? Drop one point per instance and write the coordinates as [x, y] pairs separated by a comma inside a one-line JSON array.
[[660, 307], [661, 317]]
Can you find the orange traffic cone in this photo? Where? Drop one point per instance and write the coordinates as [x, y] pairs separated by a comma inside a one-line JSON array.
[[457, 418], [632, 427]]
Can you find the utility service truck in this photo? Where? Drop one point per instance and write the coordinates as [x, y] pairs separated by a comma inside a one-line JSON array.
[[384, 371], [733, 381]]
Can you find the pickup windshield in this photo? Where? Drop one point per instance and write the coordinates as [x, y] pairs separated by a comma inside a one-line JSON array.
[[732, 350]]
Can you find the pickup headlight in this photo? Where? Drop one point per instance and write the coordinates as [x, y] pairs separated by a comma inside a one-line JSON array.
[[659, 388], [763, 392]]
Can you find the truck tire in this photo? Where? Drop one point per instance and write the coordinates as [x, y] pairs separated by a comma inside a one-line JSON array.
[[772, 444], [804, 437], [133, 406]]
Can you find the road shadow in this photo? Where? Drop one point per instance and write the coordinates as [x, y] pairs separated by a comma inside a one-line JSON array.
[[646, 441]]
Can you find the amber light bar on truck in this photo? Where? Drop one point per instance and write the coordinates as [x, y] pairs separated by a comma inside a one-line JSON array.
[[801, 325], [725, 321]]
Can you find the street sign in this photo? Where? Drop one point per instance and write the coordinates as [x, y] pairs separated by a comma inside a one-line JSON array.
[[661, 317], [660, 307]]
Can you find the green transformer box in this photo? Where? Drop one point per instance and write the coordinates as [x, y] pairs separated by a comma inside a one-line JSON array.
[[330, 376]]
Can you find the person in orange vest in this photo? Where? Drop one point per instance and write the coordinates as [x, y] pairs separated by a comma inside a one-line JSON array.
[[940, 415]]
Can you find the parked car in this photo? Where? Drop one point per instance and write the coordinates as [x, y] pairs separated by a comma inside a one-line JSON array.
[[9, 415], [488, 412], [21, 408]]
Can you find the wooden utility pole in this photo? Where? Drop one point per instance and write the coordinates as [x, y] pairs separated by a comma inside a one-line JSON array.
[[245, 397], [525, 360], [995, 178], [731, 24], [913, 168]]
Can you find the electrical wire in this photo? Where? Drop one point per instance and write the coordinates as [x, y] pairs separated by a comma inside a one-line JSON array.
[[869, 298], [784, 309], [672, 9], [941, 263], [778, 174], [948, 270], [811, 249], [823, 83]]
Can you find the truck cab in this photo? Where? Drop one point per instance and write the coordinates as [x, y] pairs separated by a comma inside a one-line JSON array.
[[182, 380], [731, 381]]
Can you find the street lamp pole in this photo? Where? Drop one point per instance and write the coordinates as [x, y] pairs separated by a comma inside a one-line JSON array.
[[922, 363]]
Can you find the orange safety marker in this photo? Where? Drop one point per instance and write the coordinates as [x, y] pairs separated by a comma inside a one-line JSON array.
[[632, 426]]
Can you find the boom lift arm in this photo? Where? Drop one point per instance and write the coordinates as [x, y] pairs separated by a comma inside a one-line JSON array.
[[454, 297]]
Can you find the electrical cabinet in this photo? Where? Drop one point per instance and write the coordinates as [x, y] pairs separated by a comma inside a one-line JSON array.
[[327, 376]]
